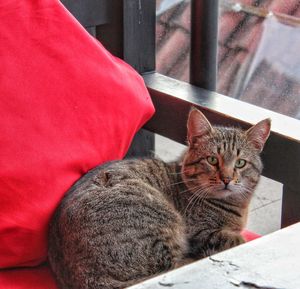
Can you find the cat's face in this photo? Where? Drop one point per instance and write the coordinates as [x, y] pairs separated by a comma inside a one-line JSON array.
[[223, 162]]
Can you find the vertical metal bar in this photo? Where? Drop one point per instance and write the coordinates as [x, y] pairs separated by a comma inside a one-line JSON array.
[[204, 41], [281, 159], [111, 34], [131, 35], [139, 52], [139, 34]]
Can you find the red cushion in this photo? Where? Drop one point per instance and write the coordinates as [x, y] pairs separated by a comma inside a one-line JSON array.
[[249, 236], [66, 106], [28, 278]]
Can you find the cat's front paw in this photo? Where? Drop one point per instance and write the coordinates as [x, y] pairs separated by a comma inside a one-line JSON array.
[[225, 240]]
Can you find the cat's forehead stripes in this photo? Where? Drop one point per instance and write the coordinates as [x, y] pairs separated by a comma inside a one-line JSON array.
[[222, 141], [228, 140]]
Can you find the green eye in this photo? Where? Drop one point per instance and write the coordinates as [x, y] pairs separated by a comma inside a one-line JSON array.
[[240, 163], [212, 160]]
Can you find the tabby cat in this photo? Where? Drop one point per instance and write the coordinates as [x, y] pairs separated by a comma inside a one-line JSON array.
[[128, 220]]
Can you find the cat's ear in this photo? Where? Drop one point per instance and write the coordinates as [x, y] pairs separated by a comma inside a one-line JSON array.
[[197, 125], [259, 133]]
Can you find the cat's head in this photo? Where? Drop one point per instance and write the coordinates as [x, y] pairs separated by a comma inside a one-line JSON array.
[[223, 162]]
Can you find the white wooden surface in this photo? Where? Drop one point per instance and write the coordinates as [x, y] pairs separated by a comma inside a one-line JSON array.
[[270, 262]]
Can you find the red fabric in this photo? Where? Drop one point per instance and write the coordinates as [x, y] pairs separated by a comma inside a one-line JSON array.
[[249, 236], [27, 278], [66, 106]]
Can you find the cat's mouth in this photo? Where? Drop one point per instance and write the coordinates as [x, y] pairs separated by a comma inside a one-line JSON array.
[[224, 191], [227, 187]]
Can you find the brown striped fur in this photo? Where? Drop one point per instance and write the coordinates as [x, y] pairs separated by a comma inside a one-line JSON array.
[[128, 220]]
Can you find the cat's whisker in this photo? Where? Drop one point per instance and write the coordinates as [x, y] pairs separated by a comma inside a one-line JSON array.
[[200, 194], [201, 197], [178, 173], [184, 191], [244, 194], [193, 189], [182, 182], [247, 191], [246, 187], [204, 197], [190, 202]]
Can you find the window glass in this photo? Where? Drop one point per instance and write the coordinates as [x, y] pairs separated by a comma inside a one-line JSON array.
[[173, 38], [258, 52]]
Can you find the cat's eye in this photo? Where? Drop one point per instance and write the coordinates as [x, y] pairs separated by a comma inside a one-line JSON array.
[[212, 160], [240, 163]]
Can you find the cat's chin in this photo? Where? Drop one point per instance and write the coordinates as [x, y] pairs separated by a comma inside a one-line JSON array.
[[222, 193]]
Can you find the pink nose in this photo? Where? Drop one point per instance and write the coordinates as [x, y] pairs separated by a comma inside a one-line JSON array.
[[226, 180]]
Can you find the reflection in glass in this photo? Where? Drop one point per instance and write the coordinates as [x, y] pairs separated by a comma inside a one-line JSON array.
[[259, 45], [173, 38], [259, 60]]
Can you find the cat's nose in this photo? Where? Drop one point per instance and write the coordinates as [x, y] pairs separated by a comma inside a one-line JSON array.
[[226, 181]]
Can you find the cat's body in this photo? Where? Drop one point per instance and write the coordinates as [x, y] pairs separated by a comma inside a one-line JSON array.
[[132, 219]]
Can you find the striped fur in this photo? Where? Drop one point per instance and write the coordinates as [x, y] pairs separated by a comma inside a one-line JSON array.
[[128, 220]]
